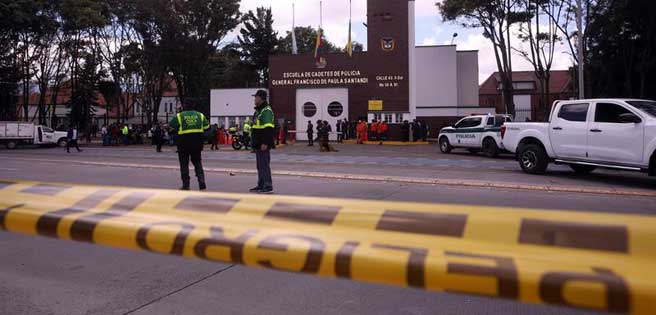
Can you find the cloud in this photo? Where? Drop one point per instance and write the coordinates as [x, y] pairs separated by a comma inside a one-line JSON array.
[[429, 41]]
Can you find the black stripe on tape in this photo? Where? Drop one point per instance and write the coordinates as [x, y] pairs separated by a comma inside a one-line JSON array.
[[438, 224], [609, 238]]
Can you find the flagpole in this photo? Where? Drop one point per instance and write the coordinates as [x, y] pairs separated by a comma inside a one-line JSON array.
[[321, 14]]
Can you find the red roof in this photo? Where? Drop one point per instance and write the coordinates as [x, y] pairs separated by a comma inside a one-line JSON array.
[[64, 95], [560, 81]]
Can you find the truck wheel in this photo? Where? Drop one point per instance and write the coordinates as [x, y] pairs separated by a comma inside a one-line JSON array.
[[11, 145], [533, 159], [445, 146], [582, 169], [62, 143], [490, 148]]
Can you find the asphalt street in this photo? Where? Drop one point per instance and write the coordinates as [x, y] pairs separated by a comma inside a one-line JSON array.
[[45, 276]]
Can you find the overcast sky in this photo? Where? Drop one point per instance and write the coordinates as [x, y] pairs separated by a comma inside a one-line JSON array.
[[430, 29]]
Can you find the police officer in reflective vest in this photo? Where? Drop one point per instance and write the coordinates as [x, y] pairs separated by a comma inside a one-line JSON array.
[[263, 134], [191, 126]]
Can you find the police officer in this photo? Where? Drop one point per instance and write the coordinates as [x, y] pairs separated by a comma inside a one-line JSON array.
[[247, 133], [191, 126], [263, 133], [310, 134]]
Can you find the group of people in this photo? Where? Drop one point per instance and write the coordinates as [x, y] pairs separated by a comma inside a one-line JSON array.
[[416, 131], [323, 135], [377, 131], [122, 134]]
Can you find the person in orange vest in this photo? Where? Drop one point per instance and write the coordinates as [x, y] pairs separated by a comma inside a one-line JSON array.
[[382, 132], [373, 130], [361, 130]]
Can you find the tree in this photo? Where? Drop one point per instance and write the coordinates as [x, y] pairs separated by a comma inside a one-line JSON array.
[[190, 34], [357, 47], [306, 40], [258, 41], [621, 49], [228, 70], [495, 17], [542, 38]]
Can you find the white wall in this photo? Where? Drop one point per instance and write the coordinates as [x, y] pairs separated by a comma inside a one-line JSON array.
[[468, 78], [412, 69], [436, 77], [232, 102]]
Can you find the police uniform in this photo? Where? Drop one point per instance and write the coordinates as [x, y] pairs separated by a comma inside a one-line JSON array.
[[247, 133], [263, 134], [191, 127]]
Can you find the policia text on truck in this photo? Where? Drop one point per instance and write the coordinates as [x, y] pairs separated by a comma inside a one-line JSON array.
[[190, 126]]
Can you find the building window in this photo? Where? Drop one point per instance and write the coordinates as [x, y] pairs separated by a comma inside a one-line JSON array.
[[388, 118], [335, 109], [309, 109], [399, 118]]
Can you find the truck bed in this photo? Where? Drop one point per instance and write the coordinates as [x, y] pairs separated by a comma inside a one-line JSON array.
[[517, 131]]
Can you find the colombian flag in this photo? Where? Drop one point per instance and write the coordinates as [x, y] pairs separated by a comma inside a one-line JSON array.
[[318, 50]]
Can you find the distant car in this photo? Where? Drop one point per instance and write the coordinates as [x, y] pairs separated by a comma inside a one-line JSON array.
[[587, 134], [475, 133]]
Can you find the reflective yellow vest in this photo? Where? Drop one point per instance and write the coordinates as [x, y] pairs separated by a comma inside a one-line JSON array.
[[199, 127], [264, 119]]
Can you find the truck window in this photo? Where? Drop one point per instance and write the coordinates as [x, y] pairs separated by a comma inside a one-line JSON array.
[[574, 112], [490, 121], [609, 113], [648, 107], [469, 123]]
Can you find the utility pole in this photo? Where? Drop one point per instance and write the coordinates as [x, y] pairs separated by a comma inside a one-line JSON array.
[[579, 47]]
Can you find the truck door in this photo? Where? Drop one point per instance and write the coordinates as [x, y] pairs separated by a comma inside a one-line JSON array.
[[569, 131], [610, 140], [466, 131]]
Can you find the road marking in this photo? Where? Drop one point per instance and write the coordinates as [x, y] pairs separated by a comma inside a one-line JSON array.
[[8, 169]]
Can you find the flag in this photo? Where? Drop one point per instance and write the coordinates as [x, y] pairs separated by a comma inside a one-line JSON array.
[[294, 45], [349, 45], [318, 50]]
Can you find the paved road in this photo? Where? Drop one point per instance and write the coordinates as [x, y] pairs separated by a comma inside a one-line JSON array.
[[44, 276]]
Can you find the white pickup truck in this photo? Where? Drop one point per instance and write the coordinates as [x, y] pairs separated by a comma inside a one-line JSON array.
[[13, 133], [586, 134]]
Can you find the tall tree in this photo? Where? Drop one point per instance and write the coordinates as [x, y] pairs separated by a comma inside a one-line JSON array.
[[539, 29], [622, 49], [495, 17], [258, 40], [229, 70], [190, 35]]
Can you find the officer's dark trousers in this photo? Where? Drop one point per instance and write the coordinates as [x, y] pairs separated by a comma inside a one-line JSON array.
[[263, 158], [190, 148], [310, 139]]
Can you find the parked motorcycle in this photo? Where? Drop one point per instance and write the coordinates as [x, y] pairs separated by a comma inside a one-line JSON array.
[[239, 141]]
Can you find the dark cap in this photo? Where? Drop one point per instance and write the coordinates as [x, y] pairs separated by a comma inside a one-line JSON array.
[[262, 94]]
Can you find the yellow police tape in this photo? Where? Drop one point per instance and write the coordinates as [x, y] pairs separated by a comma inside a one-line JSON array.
[[578, 259]]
